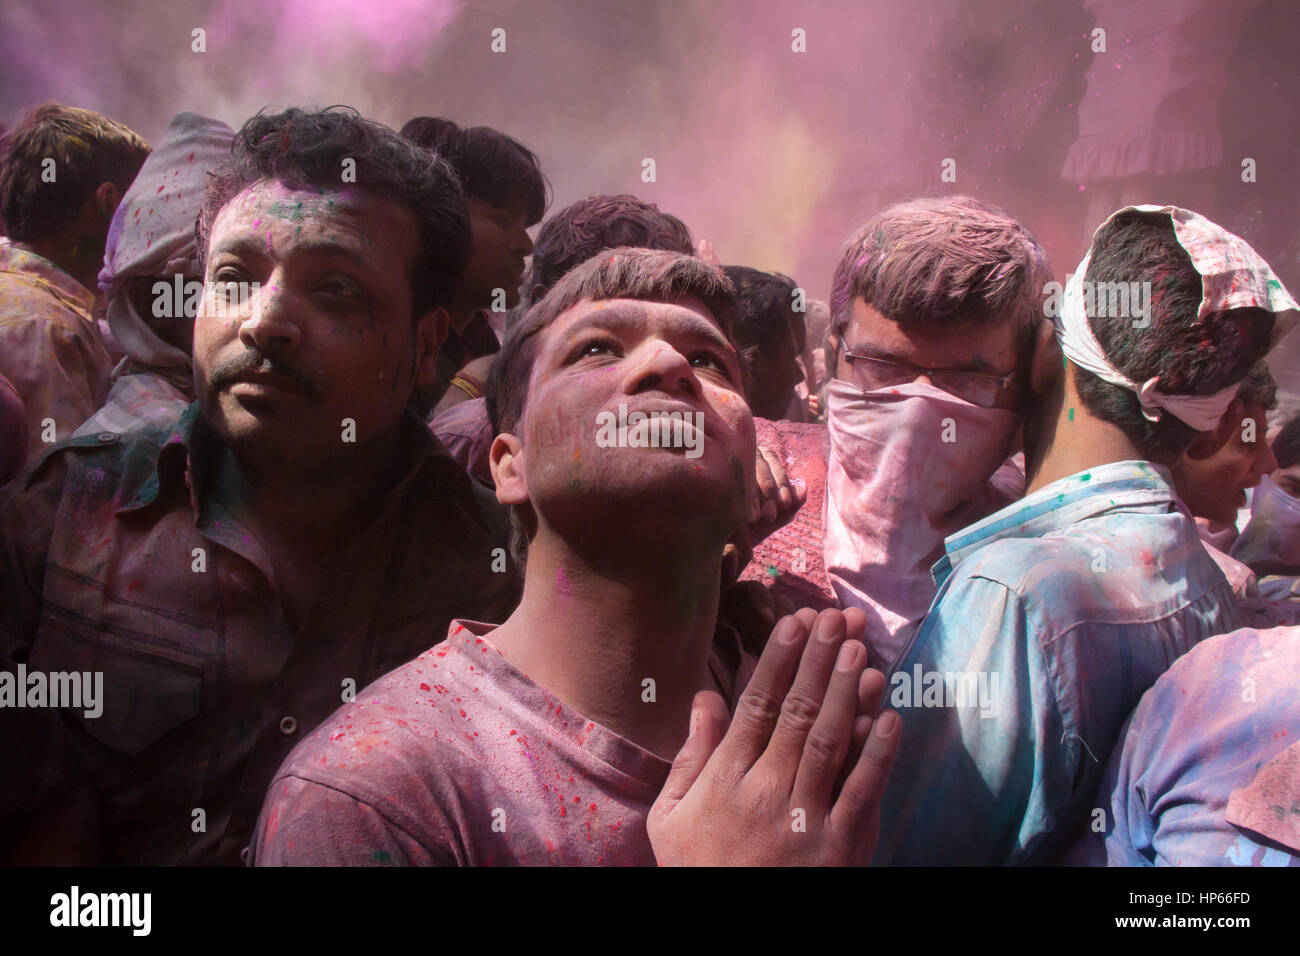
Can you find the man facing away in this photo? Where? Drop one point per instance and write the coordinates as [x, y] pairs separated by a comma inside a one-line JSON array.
[[63, 172], [550, 739], [1056, 613]]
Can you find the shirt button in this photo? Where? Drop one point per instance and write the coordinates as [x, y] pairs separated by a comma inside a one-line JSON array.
[[288, 726], [107, 438]]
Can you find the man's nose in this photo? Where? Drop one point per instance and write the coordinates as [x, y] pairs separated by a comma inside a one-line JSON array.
[[268, 321], [657, 365], [1265, 460], [523, 243]]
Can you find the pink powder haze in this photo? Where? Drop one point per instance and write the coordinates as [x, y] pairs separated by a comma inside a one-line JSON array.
[[775, 156]]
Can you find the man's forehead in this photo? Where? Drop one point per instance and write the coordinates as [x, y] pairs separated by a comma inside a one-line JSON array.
[[357, 220], [685, 314], [273, 201]]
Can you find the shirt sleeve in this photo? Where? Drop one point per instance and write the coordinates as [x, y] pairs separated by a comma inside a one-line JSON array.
[[1124, 837], [38, 759], [304, 823], [986, 770]]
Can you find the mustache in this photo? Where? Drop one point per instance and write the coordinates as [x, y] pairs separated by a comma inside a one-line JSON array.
[[256, 361]]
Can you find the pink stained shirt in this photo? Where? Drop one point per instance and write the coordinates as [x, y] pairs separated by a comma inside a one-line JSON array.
[[458, 758], [51, 349]]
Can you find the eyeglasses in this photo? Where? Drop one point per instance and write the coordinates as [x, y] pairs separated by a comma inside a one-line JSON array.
[[871, 372]]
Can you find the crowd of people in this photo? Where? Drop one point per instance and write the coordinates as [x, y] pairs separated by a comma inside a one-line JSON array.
[[346, 523]]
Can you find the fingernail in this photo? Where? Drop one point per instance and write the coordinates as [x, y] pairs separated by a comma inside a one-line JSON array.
[[887, 724], [695, 722], [826, 629], [787, 632], [847, 657]]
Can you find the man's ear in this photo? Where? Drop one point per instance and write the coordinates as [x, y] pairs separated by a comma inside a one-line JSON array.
[[1045, 363], [506, 459], [107, 198], [430, 334], [1207, 444]]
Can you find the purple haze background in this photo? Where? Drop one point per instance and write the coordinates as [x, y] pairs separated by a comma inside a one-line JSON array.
[[775, 156]]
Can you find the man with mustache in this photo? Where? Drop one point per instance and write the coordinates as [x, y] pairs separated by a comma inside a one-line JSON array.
[[551, 739], [292, 535]]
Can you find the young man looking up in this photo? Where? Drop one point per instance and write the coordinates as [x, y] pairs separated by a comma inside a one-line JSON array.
[[548, 739]]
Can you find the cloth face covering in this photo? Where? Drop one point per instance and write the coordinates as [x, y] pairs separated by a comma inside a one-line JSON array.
[[1270, 543], [895, 489]]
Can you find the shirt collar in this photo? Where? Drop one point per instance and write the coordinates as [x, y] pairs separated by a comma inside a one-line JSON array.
[[188, 451], [14, 259], [1117, 486]]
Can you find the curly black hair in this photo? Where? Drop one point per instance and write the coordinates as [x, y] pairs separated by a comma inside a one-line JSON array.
[[305, 149]]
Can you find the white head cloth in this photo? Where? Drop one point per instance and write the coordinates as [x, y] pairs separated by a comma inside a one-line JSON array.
[[1233, 276]]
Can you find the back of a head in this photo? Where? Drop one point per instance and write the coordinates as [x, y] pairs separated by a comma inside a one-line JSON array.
[[55, 160], [1191, 355], [580, 230], [767, 301], [493, 167], [941, 261], [306, 149], [1286, 446]]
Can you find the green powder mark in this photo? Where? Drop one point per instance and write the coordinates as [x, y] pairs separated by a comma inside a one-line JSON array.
[[1071, 414], [380, 856], [772, 570]]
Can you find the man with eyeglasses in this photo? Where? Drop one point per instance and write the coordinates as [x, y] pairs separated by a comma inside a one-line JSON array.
[[934, 309], [1055, 614]]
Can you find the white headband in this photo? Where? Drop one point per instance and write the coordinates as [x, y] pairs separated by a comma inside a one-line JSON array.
[[1233, 276]]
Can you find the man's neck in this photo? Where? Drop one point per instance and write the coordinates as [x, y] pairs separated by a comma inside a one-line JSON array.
[[1074, 441], [78, 262], [462, 311], [621, 638], [310, 506]]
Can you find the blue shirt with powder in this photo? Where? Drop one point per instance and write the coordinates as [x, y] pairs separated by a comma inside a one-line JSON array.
[[1052, 617]]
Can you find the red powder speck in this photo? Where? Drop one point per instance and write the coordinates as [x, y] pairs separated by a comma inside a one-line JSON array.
[[462, 713], [459, 628], [513, 732], [564, 812], [191, 157], [424, 687], [592, 808]]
